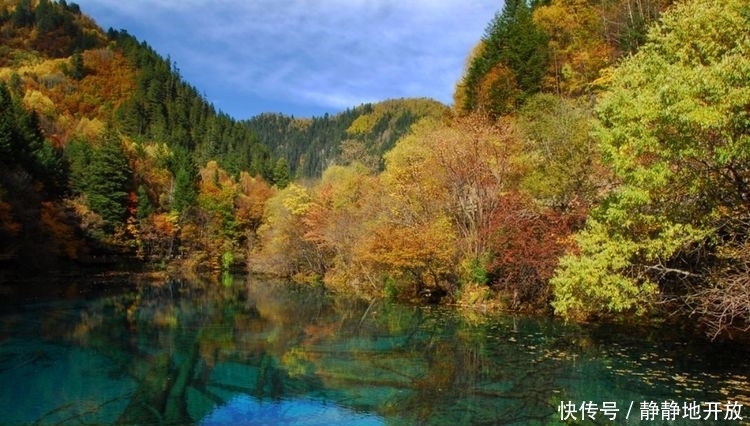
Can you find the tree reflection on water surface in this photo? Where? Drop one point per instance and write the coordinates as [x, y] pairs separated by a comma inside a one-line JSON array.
[[258, 352]]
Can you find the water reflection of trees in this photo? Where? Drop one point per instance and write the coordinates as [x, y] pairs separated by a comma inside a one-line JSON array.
[[477, 373], [169, 337], [191, 347]]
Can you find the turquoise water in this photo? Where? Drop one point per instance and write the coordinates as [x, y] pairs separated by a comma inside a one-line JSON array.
[[256, 352]]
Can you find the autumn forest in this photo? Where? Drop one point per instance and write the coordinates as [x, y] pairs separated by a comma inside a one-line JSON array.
[[595, 165]]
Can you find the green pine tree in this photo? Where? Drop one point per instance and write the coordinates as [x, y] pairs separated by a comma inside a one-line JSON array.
[[281, 173], [78, 71], [185, 172], [109, 180], [510, 64], [78, 156]]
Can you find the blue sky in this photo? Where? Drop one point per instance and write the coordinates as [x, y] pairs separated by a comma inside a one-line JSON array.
[[306, 57]]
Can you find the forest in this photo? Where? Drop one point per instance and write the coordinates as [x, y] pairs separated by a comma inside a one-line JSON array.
[[594, 165]]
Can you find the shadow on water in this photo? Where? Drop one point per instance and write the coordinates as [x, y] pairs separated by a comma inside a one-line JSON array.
[[259, 352]]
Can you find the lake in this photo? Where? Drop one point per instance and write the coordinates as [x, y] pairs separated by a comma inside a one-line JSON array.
[[252, 351]]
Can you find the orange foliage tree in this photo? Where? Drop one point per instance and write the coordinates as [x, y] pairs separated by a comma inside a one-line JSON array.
[[342, 203], [249, 202], [158, 233]]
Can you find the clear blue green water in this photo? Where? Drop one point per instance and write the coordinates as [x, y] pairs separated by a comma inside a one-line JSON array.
[[256, 352]]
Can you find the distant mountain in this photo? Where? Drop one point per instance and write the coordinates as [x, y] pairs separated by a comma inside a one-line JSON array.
[[361, 134]]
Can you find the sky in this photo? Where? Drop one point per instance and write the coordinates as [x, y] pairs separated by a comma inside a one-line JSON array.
[[306, 57]]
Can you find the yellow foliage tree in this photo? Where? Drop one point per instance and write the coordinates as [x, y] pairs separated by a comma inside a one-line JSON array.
[[577, 44], [462, 169], [282, 249], [38, 102], [215, 216]]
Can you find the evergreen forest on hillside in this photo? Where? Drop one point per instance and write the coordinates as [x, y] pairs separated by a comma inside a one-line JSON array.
[[595, 165], [360, 134]]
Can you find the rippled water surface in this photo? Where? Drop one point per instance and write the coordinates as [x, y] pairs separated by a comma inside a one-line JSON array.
[[256, 352]]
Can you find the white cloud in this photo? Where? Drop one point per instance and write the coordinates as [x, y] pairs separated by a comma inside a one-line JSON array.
[[329, 53]]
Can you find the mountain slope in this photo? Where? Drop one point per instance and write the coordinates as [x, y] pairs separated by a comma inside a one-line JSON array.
[[361, 134], [79, 105]]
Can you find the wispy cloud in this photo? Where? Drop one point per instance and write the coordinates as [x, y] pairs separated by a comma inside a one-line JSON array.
[[328, 54]]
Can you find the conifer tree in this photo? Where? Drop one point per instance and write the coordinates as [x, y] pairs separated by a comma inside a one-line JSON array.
[[185, 174], [509, 64], [7, 140], [78, 71], [23, 144], [23, 14], [281, 174], [109, 181], [78, 157]]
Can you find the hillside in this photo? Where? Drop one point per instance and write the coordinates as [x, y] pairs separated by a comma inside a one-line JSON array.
[[104, 144], [565, 47], [361, 134]]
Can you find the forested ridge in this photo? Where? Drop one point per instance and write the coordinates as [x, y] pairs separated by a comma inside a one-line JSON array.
[[105, 144], [595, 164], [363, 133]]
